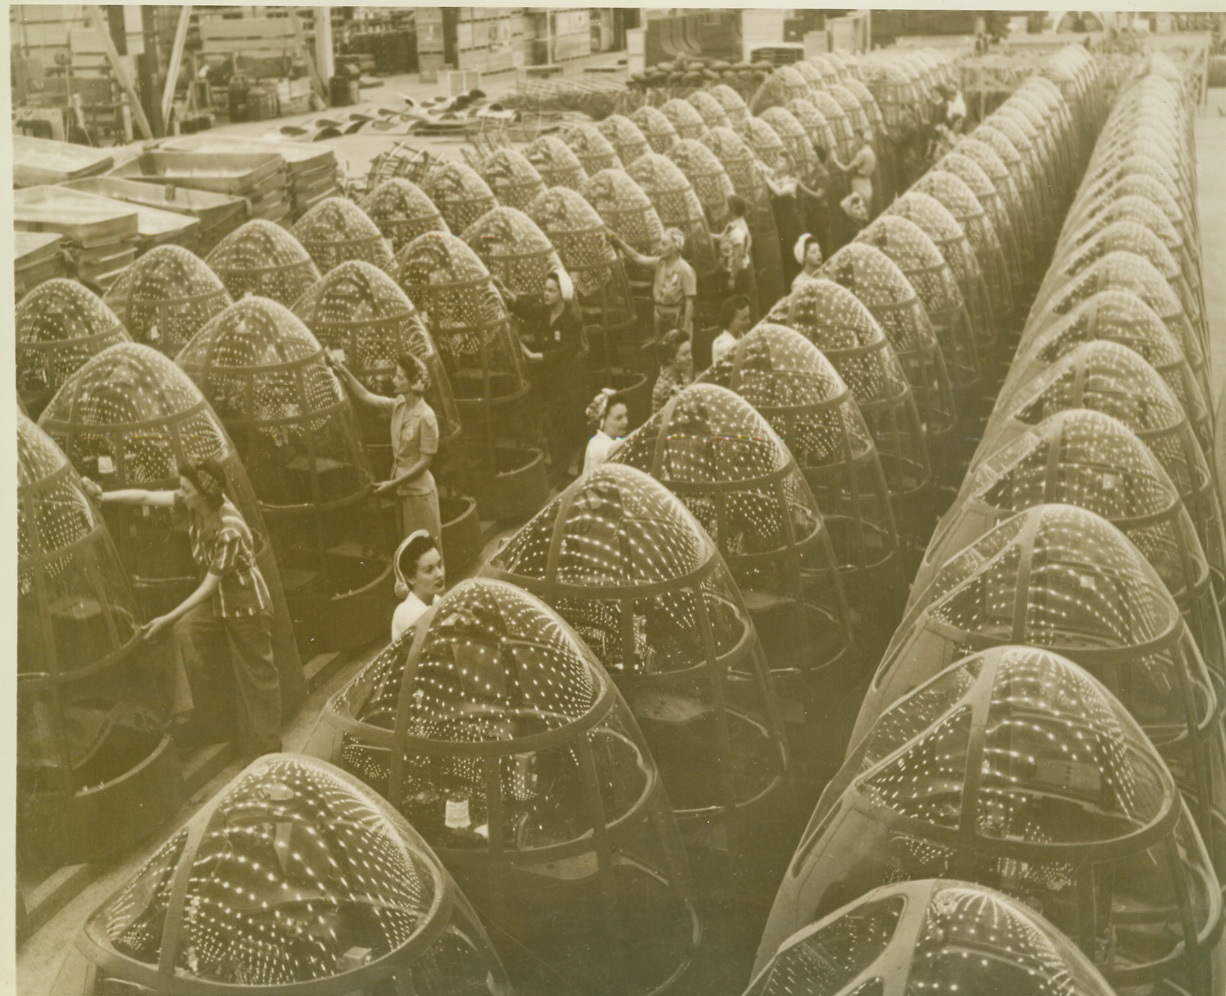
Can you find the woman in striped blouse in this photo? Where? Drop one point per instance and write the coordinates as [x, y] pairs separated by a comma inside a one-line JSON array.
[[229, 616]]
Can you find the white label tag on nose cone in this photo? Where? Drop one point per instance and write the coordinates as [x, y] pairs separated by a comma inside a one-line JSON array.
[[106, 465]]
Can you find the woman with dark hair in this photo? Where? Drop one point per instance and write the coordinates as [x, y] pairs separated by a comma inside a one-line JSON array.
[[808, 253], [551, 331], [676, 368], [414, 441], [228, 615], [608, 415], [420, 579], [790, 200]]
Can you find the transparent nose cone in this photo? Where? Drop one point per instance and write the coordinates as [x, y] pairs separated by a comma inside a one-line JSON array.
[[471, 327], [891, 299], [724, 461], [626, 209], [629, 568], [732, 102], [1015, 767], [795, 140], [513, 249], [1091, 460], [556, 162], [58, 326], [495, 732], [624, 135], [458, 191], [708, 178], [926, 270], [764, 140], [265, 260], [1119, 315], [796, 389], [295, 877], [741, 164], [589, 144], [836, 321], [358, 309], [677, 205], [1111, 378], [961, 202], [128, 419], [916, 937], [935, 221], [166, 297], [684, 117], [578, 234], [1064, 578], [1069, 286], [709, 109], [656, 127], [336, 231], [512, 178], [401, 210], [816, 127], [782, 85], [87, 737]]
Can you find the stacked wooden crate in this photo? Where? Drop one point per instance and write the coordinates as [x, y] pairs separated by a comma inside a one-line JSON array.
[[430, 58], [485, 39], [572, 33]]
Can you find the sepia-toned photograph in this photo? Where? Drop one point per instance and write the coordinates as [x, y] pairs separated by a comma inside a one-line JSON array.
[[633, 501]]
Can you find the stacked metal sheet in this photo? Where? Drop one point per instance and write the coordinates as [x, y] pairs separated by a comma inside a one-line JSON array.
[[217, 214], [101, 236], [313, 169], [262, 178], [37, 256], [41, 160]]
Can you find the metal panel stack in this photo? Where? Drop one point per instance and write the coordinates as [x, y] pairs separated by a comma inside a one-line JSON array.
[[261, 178], [313, 172], [101, 236]]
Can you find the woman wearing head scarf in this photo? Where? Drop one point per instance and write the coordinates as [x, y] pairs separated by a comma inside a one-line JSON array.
[[808, 253], [790, 210], [675, 285], [608, 415], [420, 579], [227, 620], [551, 330]]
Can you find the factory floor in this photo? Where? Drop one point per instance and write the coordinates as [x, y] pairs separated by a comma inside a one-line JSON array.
[[735, 907]]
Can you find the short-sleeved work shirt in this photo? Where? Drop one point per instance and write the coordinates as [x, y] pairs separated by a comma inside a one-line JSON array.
[[229, 552], [414, 434]]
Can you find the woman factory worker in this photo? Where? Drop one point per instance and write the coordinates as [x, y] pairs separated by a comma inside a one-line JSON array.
[[676, 368], [551, 333], [609, 416], [861, 169], [228, 616], [414, 429], [675, 285], [420, 579]]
